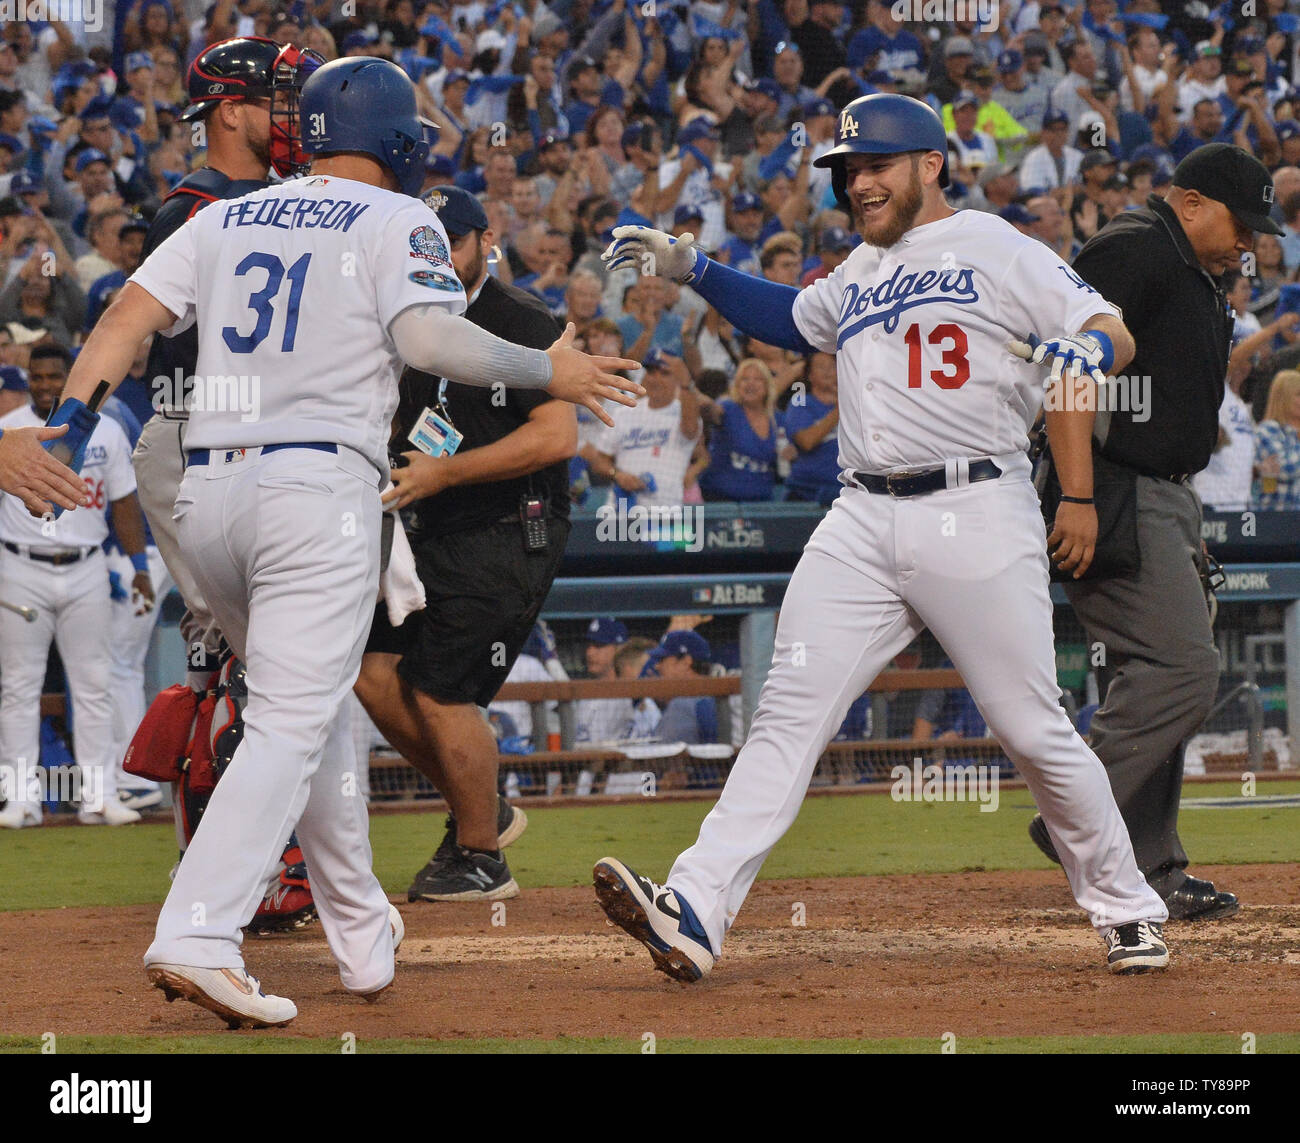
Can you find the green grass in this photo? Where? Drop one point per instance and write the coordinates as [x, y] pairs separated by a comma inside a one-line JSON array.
[[833, 837], [262, 1044]]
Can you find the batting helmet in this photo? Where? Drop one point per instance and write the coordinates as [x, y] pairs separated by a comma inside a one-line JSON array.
[[242, 68], [883, 125], [363, 103]]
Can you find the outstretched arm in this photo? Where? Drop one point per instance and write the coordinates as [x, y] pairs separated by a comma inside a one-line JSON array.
[[753, 305]]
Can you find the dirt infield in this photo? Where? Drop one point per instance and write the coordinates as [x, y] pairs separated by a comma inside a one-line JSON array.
[[979, 954]]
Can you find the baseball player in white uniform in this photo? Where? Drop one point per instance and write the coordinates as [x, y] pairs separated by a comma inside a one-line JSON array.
[[56, 567], [938, 525], [323, 286]]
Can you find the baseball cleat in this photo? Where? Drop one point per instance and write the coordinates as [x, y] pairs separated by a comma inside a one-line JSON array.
[[511, 823], [16, 815], [140, 799], [464, 875], [231, 993], [658, 918], [114, 813], [1198, 900], [1136, 947], [398, 926]]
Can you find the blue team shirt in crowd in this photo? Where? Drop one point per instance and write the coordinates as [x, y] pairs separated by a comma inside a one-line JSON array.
[[742, 464], [813, 475], [900, 51]]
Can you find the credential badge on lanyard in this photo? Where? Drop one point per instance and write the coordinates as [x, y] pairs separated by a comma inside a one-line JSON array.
[[433, 433]]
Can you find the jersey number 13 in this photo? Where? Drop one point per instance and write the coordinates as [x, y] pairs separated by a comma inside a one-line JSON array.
[[956, 370]]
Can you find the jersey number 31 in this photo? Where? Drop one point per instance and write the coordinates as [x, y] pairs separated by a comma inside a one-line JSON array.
[[956, 371], [261, 302]]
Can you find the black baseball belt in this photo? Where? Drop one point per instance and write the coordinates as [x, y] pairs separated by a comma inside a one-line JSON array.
[[925, 480], [58, 559]]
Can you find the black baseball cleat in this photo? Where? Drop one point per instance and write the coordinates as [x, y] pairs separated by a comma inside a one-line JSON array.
[[1197, 900], [1136, 947], [1040, 837], [463, 875]]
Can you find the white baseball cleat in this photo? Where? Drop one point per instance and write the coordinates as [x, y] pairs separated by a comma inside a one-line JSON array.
[[1136, 947], [16, 815], [229, 992], [114, 813], [398, 926], [657, 917]]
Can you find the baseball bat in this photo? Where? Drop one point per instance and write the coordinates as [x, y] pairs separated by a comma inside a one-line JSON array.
[[1021, 349], [28, 613]]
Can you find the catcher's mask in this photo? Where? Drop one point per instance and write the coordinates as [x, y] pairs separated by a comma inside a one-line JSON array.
[[289, 72]]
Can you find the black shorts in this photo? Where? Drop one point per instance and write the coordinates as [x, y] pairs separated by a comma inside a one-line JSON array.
[[484, 595]]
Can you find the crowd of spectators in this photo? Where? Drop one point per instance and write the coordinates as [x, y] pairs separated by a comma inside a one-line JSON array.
[[569, 118]]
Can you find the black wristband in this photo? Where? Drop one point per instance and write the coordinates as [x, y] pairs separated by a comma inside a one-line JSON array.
[[1076, 500]]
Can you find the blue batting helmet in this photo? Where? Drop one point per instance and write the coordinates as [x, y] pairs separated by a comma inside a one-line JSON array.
[[883, 125], [363, 103]]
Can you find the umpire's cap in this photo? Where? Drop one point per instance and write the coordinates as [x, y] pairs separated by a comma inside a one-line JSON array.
[[883, 124], [242, 68], [1233, 177]]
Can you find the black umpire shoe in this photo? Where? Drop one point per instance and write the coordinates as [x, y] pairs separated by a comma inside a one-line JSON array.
[[464, 875], [1197, 900], [511, 823], [1040, 837]]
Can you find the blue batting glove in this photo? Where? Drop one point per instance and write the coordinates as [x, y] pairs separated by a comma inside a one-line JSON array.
[[115, 589], [1092, 352], [70, 448]]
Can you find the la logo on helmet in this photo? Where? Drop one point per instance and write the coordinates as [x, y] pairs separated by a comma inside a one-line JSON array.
[[848, 126]]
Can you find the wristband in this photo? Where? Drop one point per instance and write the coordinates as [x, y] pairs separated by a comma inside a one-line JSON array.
[[1107, 349], [140, 561], [1076, 500]]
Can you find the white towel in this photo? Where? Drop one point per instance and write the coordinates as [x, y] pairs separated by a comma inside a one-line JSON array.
[[399, 587]]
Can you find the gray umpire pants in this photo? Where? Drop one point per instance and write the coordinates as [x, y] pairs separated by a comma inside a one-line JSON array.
[[1154, 630]]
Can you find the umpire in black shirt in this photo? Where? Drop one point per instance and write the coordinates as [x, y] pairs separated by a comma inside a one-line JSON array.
[[490, 525], [1161, 266]]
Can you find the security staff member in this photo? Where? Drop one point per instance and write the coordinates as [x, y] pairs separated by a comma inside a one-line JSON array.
[[491, 522], [1161, 265]]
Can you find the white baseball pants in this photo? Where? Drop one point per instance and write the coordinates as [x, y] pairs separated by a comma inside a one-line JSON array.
[[285, 548], [970, 564], [72, 610]]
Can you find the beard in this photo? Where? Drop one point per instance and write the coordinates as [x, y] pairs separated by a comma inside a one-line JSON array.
[[474, 270], [898, 217]]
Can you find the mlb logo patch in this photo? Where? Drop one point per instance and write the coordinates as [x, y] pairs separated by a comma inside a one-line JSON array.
[[233, 455]]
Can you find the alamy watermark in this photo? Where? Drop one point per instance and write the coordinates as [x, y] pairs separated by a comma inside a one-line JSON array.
[[216, 393], [89, 13], [985, 13], [679, 524], [933, 783], [1117, 395], [23, 783]]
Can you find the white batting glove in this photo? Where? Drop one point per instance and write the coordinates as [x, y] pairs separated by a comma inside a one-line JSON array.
[[653, 252], [1076, 353]]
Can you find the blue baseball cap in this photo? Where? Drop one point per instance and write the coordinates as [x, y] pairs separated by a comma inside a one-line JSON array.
[[14, 143], [656, 359], [455, 77], [881, 75], [684, 214], [1017, 214], [101, 107], [1010, 61], [698, 128], [677, 643], [1287, 129], [137, 60], [443, 165], [765, 86], [88, 156], [357, 40], [746, 200], [457, 210], [1055, 117], [606, 631], [13, 379], [815, 107], [24, 182], [835, 238]]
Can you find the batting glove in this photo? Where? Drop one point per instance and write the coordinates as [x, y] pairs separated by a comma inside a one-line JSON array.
[[71, 447], [655, 253], [1076, 353]]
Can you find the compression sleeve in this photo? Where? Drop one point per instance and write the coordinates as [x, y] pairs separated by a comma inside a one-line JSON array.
[[428, 338], [755, 306]]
